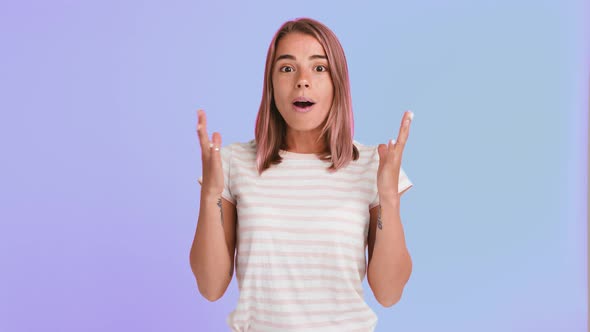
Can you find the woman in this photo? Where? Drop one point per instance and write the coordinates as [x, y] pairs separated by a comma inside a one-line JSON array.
[[301, 202]]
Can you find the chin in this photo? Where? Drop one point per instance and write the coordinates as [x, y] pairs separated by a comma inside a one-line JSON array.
[[304, 127]]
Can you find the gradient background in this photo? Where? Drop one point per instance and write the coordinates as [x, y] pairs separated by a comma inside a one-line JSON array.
[[99, 198]]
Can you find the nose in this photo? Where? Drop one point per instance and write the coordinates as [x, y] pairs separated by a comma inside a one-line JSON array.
[[302, 84], [302, 81]]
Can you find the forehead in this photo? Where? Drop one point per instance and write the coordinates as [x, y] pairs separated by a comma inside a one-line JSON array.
[[296, 43]]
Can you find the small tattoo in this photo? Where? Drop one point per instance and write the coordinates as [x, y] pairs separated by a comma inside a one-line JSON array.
[[379, 224], [220, 210]]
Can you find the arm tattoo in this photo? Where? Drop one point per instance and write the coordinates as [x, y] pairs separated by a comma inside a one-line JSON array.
[[379, 224], [220, 210]]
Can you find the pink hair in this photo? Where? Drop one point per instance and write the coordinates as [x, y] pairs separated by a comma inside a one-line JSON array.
[[338, 129]]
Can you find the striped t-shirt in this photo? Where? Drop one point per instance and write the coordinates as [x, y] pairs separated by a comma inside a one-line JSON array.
[[301, 236]]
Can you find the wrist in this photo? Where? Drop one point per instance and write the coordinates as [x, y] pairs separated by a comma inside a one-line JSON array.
[[389, 200], [209, 195]]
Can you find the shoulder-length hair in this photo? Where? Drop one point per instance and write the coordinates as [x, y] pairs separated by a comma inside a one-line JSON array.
[[338, 129]]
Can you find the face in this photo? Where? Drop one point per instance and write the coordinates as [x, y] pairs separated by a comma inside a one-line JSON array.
[[303, 88]]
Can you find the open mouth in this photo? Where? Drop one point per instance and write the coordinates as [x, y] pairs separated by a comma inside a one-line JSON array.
[[302, 104]]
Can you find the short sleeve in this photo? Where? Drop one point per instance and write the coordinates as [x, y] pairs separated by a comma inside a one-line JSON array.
[[403, 183], [226, 156]]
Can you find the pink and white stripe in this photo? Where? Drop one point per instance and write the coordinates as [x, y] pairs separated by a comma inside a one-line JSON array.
[[301, 240]]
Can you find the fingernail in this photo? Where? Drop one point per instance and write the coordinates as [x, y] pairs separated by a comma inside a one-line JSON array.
[[392, 141], [210, 145], [411, 115], [216, 148]]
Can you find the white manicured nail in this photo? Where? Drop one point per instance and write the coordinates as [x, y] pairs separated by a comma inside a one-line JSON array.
[[411, 115]]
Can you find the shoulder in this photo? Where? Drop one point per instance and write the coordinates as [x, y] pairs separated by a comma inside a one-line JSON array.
[[240, 148], [367, 153], [239, 153]]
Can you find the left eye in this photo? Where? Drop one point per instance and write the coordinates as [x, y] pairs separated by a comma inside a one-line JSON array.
[[321, 68]]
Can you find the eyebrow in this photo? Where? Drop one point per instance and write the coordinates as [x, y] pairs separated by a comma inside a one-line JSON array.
[[291, 57]]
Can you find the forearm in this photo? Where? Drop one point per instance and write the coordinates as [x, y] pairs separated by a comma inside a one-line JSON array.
[[390, 266], [209, 257]]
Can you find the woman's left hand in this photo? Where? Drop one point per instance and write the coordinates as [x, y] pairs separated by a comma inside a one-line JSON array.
[[390, 159]]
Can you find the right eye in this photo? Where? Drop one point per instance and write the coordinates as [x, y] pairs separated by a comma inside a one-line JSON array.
[[286, 69]]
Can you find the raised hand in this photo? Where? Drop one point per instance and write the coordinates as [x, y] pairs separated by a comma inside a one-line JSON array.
[[212, 183], [390, 159]]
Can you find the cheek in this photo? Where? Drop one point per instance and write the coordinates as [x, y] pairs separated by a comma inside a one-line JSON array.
[[328, 90], [279, 89]]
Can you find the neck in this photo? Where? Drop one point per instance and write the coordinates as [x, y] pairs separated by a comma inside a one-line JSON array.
[[304, 141]]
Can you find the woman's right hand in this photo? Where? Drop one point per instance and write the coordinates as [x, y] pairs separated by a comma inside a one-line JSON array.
[[211, 158]]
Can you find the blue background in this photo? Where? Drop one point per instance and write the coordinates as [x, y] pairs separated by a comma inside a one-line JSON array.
[[100, 157]]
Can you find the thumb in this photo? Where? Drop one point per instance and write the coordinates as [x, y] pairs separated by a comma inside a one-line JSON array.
[[382, 149]]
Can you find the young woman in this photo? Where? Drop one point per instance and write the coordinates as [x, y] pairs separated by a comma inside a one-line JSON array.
[[300, 203]]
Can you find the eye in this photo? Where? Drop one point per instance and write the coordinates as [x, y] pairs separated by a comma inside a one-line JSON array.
[[321, 68], [286, 69]]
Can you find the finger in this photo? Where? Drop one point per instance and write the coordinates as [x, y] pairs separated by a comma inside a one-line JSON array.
[[404, 129], [391, 145], [216, 140], [202, 132], [215, 149], [394, 152]]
